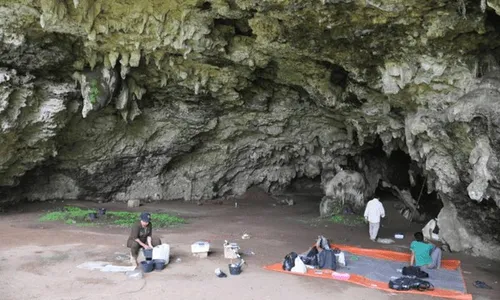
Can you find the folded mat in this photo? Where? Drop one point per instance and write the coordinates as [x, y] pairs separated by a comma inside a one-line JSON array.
[[374, 268]]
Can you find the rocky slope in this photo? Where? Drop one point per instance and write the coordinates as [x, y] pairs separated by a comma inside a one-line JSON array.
[[158, 100]]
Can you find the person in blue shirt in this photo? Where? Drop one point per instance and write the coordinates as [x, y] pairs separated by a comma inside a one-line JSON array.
[[424, 254]]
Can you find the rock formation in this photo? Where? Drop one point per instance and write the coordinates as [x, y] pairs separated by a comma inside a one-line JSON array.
[[158, 100]]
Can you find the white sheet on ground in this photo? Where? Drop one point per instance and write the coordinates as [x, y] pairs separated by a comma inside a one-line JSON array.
[[385, 241], [104, 266]]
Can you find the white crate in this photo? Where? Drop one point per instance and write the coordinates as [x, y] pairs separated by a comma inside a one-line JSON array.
[[200, 247]]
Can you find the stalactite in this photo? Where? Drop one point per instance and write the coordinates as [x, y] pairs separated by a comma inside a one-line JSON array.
[[113, 57]]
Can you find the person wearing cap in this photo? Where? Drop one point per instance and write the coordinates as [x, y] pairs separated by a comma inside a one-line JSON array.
[[141, 236], [373, 212]]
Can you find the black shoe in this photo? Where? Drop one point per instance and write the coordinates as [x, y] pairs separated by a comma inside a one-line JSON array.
[[481, 285]]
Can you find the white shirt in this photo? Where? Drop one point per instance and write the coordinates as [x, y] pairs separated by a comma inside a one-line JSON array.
[[374, 210]]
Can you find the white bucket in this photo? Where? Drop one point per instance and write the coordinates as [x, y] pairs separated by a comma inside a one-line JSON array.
[[162, 252]]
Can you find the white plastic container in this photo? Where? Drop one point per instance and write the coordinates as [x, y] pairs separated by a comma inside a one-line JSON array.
[[162, 252], [200, 249], [340, 259], [399, 236]]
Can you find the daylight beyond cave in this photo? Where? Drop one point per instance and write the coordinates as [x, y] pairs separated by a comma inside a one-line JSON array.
[[161, 100]]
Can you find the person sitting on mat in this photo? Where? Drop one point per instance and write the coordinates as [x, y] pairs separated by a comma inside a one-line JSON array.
[[141, 236], [424, 254]]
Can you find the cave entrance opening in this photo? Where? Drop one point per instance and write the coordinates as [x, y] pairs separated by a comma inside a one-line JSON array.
[[306, 189], [406, 182], [306, 185]]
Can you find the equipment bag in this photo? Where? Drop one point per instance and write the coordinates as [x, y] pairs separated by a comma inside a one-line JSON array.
[[327, 260], [414, 271], [311, 258], [289, 261], [406, 283], [400, 284]]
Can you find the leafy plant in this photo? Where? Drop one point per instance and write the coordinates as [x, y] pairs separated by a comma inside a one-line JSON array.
[[349, 220], [94, 91], [124, 218], [80, 217]]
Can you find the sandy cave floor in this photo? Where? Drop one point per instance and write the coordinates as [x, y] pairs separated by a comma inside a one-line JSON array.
[[38, 260]]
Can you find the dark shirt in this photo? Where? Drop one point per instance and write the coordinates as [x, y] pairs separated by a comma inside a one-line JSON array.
[[141, 233]]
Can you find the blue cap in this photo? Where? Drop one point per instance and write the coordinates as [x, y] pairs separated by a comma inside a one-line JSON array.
[[146, 217]]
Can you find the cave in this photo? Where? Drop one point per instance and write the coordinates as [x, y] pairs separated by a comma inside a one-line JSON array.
[[406, 175], [306, 186], [200, 100], [240, 26], [394, 177], [206, 6]]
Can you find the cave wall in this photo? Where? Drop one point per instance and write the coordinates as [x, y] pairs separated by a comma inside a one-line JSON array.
[[158, 100]]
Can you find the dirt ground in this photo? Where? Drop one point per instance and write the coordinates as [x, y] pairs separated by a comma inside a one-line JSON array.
[[38, 260]]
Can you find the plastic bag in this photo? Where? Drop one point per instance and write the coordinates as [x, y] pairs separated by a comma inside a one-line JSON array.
[[299, 267]]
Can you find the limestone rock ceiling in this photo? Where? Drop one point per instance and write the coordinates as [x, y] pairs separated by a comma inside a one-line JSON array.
[[123, 99]]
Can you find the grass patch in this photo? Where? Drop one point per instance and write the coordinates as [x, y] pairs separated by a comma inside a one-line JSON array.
[[80, 217], [349, 220]]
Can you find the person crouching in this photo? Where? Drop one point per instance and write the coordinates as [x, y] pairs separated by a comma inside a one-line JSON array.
[[141, 236]]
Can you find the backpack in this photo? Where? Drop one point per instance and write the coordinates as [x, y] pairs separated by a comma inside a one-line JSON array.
[[327, 260], [311, 257], [414, 271], [406, 283], [289, 261]]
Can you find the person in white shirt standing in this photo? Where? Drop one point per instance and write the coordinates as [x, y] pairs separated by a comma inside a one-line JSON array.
[[373, 212]]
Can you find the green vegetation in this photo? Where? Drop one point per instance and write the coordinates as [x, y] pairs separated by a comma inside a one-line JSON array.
[[349, 220], [341, 214], [94, 91], [80, 217], [336, 208]]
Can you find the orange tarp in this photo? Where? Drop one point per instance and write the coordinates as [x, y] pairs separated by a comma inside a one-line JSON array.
[[387, 255]]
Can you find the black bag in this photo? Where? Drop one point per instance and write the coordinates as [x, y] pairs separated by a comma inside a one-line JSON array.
[[311, 258], [406, 283], [414, 271], [289, 261], [400, 284], [327, 260], [421, 285]]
